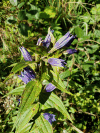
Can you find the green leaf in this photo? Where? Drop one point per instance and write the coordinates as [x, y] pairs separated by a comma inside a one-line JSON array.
[[32, 90], [26, 128], [33, 13], [83, 39], [51, 11], [22, 15], [26, 117], [86, 17], [72, 110], [54, 101], [96, 10], [11, 20], [87, 66], [41, 50], [79, 32], [13, 2], [1, 93], [19, 66], [65, 74], [43, 15], [16, 91], [43, 125], [59, 84], [23, 29], [9, 76], [90, 62], [69, 63], [91, 49], [36, 130], [97, 33], [12, 8], [21, 4]]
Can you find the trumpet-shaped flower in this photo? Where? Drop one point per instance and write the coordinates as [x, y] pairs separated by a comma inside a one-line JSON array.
[[49, 117], [56, 62], [71, 51], [50, 87], [27, 75], [26, 54], [47, 40], [66, 40]]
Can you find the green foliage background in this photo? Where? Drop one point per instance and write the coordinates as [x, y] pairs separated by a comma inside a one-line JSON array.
[[21, 24]]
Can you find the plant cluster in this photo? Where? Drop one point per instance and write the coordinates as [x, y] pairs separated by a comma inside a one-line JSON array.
[[53, 85]]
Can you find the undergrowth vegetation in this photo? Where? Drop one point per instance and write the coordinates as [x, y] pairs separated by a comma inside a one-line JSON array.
[[50, 80]]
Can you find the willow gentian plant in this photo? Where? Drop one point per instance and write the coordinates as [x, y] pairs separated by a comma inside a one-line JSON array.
[[37, 97]]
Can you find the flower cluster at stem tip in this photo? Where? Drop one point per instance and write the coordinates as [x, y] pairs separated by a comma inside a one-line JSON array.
[[29, 74]]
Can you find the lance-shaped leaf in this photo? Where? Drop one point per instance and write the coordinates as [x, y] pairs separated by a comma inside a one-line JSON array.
[[58, 83], [16, 91], [26, 117], [55, 102], [32, 90], [36, 130], [19, 66], [26, 128]]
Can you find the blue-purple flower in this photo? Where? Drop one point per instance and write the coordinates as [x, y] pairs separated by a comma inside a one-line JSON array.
[[50, 87], [46, 41], [71, 51], [26, 54], [18, 101], [49, 117], [56, 62], [66, 40], [27, 75]]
